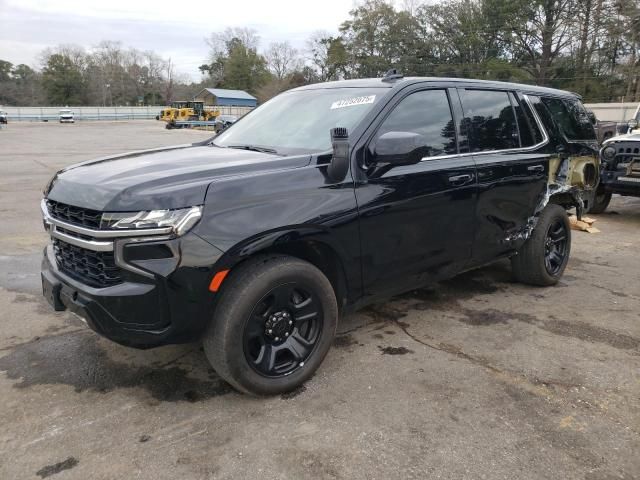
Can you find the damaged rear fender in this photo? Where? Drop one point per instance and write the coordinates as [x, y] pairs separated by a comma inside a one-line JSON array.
[[571, 181]]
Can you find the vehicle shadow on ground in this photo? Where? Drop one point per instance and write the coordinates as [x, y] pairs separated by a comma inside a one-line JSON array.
[[86, 362], [440, 296], [81, 359]]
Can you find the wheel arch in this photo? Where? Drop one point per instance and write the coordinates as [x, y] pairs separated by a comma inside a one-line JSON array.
[[312, 244], [571, 198]]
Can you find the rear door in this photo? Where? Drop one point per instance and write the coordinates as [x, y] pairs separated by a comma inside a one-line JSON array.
[[512, 170], [416, 221]]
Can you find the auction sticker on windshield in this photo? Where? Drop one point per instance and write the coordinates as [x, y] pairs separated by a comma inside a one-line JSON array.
[[352, 102]]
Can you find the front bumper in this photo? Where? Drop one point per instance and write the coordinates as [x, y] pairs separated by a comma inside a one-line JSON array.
[[114, 312], [158, 302], [620, 182]]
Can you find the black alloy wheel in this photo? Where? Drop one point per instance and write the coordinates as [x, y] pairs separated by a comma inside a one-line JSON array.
[[555, 247], [274, 322], [544, 256], [282, 330]]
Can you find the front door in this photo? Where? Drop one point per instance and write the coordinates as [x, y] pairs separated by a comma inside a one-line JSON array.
[[416, 221]]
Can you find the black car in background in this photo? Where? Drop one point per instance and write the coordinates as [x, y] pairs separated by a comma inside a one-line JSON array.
[[223, 122], [322, 200]]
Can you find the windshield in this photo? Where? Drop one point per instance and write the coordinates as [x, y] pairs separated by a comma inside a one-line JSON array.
[[299, 121]]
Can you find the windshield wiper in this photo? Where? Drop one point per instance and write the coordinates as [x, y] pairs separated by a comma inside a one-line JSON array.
[[254, 148]]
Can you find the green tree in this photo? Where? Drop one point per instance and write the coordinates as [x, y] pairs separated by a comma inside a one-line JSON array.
[[369, 37], [234, 61], [63, 81], [5, 70], [244, 68]]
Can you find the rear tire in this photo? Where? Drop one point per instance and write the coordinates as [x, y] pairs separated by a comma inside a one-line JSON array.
[[542, 259], [600, 201], [273, 325]]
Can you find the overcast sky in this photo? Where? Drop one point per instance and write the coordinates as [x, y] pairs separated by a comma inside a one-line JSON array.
[[173, 29]]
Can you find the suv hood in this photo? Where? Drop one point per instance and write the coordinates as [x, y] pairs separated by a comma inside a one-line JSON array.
[[166, 178], [627, 137]]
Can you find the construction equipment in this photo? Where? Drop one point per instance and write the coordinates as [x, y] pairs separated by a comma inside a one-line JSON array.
[[182, 111]]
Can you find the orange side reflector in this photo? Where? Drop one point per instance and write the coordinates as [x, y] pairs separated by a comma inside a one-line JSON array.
[[217, 280]]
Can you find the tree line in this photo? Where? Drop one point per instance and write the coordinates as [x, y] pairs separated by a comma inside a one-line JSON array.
[[107, 75], [591, 47]]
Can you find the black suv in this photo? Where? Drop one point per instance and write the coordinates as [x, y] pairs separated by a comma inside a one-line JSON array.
[[324, 199]]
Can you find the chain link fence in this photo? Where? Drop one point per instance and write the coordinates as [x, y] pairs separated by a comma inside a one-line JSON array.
[[51, 114]]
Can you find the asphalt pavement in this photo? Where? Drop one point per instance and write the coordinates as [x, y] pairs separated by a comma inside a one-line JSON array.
[[475, 378]]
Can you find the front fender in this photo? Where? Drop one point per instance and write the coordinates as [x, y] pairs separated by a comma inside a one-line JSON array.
[[246, 215], [284, 236]]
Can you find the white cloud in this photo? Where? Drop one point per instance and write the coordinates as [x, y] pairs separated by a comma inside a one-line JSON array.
[[170, 28]]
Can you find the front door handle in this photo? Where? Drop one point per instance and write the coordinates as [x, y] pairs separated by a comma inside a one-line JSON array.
[[460, 179], [536, 168]]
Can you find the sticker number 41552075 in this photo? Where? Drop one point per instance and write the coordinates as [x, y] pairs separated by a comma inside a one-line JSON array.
[[354, 101]]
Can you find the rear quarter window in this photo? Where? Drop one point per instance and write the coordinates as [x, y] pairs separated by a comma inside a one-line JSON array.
[[571, 117]]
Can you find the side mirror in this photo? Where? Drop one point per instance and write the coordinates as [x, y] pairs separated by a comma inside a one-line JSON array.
[[592, 117], [632, 124], [400, 148]]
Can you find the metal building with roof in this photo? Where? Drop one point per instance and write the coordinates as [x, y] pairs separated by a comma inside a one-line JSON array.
[[223, 97]]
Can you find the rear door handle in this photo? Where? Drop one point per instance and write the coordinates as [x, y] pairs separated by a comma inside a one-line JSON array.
[[460, 179], [536, 168]]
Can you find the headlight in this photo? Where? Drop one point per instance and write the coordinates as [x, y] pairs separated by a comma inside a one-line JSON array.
[[609, 152], [181, 221]]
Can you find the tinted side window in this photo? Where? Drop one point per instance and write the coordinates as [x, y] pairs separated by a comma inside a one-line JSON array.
[[571, 117], [529, 132], [545, 115], [491, 119], [428, 113]]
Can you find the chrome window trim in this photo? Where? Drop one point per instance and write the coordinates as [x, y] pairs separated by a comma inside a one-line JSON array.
[[100, 233], [545, 140]]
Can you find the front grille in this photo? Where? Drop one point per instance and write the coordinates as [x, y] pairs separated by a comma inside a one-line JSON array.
[[96, 269], [626, 152], [75, 215]]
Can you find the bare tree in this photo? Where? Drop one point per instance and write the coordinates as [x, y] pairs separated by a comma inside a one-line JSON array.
[[168, 89], [282, 59], [318, 53], [219, 41], [411, 6], [544, 35]]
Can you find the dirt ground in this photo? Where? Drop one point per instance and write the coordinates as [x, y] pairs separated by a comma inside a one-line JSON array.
[[476, 378]]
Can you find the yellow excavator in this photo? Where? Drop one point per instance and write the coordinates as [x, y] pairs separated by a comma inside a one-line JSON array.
[[182, 111]]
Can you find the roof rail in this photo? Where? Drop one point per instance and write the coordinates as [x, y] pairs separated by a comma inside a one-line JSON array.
[[392, 75]]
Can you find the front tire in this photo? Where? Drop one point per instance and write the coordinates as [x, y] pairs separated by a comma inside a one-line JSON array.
[[543, 258], [273, 325]]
